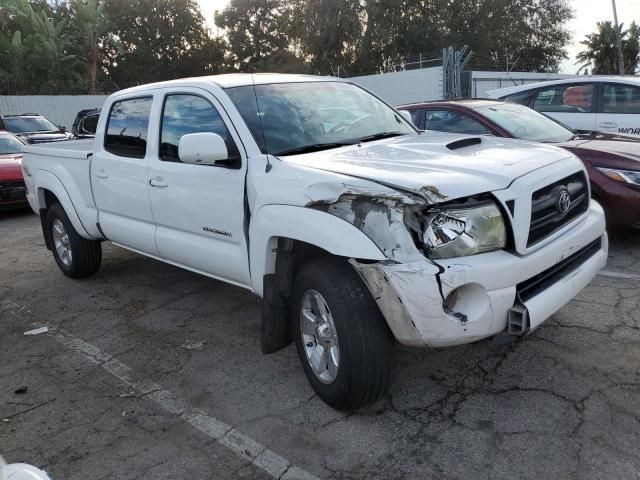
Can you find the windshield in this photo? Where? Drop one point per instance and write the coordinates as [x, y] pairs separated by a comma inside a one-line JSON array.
[[288, 118], [29, 124], [526, 124], [10, 144]]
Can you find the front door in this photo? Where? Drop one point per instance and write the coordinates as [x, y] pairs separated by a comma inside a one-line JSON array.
[[199, 209], [119, 176]]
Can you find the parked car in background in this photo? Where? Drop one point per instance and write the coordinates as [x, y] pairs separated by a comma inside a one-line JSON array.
[[12, 188], [33, 128], [613, 161], [85, 123], [354, 230], [602, 104]]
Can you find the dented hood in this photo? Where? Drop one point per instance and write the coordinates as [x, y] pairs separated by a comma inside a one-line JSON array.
[[439, 166]]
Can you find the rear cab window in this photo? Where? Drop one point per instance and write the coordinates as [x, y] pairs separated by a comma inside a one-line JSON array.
[[127, 127]]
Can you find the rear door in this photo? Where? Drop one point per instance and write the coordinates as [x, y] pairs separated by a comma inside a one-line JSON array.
[[119, 175], [570, 103], [199, 210], [619, 109]]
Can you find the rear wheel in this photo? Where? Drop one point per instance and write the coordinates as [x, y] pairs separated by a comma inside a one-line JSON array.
[[76, 256], [344, 343]]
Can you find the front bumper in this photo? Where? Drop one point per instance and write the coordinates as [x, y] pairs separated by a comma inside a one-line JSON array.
[[483, 287]]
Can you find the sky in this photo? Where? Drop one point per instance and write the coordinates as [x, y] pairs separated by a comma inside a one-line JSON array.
[[587, 13]]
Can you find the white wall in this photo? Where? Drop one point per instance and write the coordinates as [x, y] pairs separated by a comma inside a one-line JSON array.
[[60, 109], [482, 82], [407, 86]]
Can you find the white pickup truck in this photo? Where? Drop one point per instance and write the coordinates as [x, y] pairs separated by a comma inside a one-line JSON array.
[[326, 202]]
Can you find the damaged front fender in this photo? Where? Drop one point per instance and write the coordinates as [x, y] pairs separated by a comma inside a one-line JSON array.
[[390, 220]]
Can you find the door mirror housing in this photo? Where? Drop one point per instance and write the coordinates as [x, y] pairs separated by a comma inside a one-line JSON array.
[[202, 149]]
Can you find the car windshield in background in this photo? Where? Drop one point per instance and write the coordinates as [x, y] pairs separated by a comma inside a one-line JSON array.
[[29, 124], [526, 124], [290, 118], [10, 144]]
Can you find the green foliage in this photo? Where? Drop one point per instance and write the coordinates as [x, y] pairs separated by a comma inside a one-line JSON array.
[[35, 49], [257, 33], [601, 50], [74, 45]]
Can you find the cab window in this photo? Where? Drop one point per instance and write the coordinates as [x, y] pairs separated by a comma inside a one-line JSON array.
[[127, 127], [620, 98], [565, 99], [453, 122], [183, 114]]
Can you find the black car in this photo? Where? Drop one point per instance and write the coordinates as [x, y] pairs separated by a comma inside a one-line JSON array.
[[33, 128], [86, 123]]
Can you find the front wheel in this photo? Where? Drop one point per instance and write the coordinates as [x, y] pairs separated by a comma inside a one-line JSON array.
[[344, 343], [76, 256]]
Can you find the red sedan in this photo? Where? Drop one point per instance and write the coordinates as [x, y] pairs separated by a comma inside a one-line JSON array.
[[613, 162], [12, 188]]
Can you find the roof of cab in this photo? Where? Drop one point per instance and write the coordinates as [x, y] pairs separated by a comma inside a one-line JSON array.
[[229, 80]]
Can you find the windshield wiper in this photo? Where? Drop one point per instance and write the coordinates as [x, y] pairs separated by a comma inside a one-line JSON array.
[[314, 147], [380, 136]]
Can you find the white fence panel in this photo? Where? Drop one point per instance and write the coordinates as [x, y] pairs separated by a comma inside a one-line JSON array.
[[60, 109], [407, 86]]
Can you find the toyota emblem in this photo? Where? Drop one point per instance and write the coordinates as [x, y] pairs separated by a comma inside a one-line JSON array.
[[564, 201]]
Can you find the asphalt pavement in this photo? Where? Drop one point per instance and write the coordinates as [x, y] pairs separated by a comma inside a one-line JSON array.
[[151, 372]]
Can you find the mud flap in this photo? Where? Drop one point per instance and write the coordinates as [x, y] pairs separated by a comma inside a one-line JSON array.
[[276, 328], [48, 241]]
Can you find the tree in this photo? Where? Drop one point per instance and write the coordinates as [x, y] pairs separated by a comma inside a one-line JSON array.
[[325, 32], [153, 40], [601, 51], [35, 49], [91, 26], [257, 34]]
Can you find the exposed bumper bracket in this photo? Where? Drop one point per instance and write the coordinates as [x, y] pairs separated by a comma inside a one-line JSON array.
[[518, 322]]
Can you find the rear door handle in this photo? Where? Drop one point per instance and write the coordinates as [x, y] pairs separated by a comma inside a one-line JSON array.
[[158, 182], [101, 174]]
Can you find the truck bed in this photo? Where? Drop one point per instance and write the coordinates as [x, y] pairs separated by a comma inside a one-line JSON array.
[[71, 149]]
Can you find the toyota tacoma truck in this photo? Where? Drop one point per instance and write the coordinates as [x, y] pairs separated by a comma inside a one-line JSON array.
[[354, 228]]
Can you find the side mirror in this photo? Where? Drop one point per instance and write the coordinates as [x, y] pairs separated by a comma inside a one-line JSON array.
[[202, 148], [406, 115], [62, 128]]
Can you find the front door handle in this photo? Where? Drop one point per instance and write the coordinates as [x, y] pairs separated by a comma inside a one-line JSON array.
[[101, 174], [607, 125], [158, 182]]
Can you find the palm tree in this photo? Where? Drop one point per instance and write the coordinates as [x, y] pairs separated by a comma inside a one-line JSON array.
[[601, 51], [91, 25]]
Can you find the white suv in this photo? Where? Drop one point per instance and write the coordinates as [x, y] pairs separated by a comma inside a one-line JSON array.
[[602, 104]]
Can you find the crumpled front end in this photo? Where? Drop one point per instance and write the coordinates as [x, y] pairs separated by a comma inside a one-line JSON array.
[[463, 300]]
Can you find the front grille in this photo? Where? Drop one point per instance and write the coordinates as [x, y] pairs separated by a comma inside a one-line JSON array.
[[546, 217], [531, 287], [12, 190]]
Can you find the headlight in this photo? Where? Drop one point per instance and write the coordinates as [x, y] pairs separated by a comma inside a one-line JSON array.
[[624, 176], [459, 232]]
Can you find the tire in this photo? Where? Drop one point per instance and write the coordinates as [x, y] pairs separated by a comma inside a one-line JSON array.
[[365, 343], [85, 255]]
